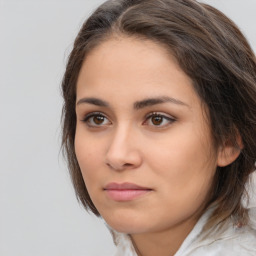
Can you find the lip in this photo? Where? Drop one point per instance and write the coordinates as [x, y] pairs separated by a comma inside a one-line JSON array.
[[125, 191]]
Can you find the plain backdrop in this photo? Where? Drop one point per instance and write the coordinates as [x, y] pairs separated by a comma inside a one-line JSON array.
[[39, 214]]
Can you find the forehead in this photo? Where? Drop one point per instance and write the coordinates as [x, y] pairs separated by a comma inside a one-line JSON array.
[[132, 66], [124, 55]]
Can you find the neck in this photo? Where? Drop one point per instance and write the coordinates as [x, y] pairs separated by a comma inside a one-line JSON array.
[[164, 243]]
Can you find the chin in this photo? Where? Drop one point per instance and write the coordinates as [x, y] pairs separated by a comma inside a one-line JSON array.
[[126, 223], [127, 228]]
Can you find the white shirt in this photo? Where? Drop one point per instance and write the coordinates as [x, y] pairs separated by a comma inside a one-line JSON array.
[[231, 241]]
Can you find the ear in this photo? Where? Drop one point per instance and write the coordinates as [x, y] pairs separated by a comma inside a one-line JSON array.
[[228, 153]]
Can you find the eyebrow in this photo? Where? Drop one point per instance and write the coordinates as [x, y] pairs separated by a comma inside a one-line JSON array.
[[137, 105], [93, 101], [154, 101]]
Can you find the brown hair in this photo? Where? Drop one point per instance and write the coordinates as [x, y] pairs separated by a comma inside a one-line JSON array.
[[212, 52]]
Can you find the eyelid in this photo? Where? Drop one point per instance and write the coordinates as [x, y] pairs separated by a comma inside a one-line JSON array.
[[93, 114], [156, 113], [167, 117], [90, 114]]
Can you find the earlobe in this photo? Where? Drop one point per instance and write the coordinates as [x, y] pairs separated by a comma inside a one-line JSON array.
[[229, 152], [227, 155]]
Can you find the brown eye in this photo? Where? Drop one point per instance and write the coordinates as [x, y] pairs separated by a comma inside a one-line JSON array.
[[157, 120], [98, 119]]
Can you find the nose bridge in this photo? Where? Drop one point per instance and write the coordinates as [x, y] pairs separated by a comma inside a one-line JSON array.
[[123, 151], [121, 136]]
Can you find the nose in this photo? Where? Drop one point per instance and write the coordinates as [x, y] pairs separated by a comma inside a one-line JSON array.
[[123, 151]]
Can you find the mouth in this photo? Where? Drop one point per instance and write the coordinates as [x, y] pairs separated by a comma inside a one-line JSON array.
[[122, 192]]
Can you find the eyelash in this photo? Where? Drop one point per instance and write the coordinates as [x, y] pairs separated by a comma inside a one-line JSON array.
[[88, 118], [168, 119]]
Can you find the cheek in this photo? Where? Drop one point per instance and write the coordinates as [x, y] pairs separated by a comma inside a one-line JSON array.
[[186, 162], [88, 156]]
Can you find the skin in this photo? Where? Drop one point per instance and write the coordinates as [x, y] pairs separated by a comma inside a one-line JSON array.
[[119, 143]]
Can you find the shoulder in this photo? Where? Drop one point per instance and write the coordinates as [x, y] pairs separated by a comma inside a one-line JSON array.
[[240, 242], [230, 240]]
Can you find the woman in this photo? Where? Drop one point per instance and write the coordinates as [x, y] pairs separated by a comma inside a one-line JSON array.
[[159, 127]]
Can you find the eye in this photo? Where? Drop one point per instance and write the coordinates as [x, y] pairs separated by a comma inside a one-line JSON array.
[[96, 120], [158, 120]]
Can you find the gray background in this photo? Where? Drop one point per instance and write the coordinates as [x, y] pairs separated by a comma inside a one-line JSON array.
[[39, 214]]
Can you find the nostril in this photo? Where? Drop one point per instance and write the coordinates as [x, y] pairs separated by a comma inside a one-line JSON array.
[[122, 156], [109, 165], [127, 165], [120, 167]]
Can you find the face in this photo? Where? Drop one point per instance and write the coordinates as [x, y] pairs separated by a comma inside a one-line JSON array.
[[142, 139]]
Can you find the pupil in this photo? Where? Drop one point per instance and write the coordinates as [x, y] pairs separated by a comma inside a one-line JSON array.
[[98, 119], [157, 120]]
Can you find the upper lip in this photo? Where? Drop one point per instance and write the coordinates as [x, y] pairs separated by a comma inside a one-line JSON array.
[[124, 186]]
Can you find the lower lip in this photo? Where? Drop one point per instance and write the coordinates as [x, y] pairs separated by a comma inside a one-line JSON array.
[[126, 194]]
